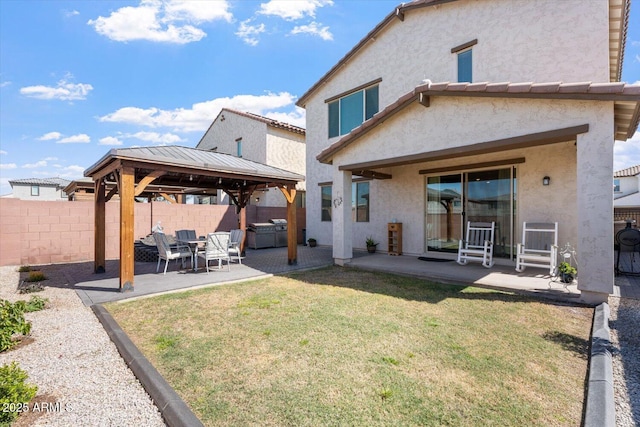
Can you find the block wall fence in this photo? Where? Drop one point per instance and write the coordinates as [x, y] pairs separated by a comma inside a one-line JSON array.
[[53, 232]]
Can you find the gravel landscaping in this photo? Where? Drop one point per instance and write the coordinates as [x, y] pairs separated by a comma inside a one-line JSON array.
[[74, 363]]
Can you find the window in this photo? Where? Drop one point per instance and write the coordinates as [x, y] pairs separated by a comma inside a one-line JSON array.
[[616, 185], [239, 147], [465, 66], [35, 190], [351, 110], [326, 202], [360, 202], [301, 199], [465, 60]]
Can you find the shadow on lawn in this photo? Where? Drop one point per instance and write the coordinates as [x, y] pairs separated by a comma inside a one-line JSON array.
[[409, 288]]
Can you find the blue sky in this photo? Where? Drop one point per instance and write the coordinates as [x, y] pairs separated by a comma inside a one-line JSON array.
[[78, 78]]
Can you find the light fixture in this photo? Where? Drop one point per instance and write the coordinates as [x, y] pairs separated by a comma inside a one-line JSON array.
[[546, 180], [190, 177], [219, 180], [257, 199], [244, 183]]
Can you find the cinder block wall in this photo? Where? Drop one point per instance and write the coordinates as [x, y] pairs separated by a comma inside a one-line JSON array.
[[47, 232]]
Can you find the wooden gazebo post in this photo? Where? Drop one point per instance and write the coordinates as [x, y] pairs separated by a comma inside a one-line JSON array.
[[99, 227], [292, 225], [127, 198]]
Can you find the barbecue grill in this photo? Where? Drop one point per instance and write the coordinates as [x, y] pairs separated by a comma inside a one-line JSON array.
[[261, 235], [281, 231]]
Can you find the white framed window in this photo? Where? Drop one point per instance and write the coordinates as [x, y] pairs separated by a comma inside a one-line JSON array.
[[239, 147], [35, 190], [616, 185], [360, 202], [326, 203], [464, 61]]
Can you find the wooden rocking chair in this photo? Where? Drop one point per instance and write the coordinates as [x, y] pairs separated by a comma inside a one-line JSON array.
[[478, 246]]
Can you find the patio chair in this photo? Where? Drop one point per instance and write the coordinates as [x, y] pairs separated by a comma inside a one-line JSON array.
[[217, 248], [478, 246], [166, 252], [628, 240], [185, 235], [539, 247], [235, 250]]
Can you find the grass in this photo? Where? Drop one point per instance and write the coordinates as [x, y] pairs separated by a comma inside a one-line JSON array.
[[346, 347]]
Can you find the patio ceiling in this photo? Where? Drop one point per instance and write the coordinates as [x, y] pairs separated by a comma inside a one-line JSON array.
[[135, 170]]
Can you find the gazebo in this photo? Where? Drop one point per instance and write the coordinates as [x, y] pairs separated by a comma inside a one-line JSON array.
[[193, 171]]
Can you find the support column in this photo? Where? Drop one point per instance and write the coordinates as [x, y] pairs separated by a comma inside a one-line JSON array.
[[292, 225], [595, 211], [341, 218], [127, 198], [99, 264], [243, 227]]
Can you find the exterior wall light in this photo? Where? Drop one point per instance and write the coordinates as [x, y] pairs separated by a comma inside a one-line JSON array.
[[546, 180]]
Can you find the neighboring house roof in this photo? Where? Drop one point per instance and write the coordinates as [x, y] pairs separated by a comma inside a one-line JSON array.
[[269, 122], [628, 201], [52, 182], [626, 100], [631, 171], [618, 23], [196, 159]]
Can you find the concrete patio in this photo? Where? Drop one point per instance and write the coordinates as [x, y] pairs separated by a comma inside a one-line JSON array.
[[100, 288]]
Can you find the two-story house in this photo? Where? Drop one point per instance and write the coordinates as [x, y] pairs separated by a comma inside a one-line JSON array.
[[39, 188], [260, 139], [484, 110]]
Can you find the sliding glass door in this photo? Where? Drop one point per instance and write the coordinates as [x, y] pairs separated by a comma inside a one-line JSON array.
[[482, 196]]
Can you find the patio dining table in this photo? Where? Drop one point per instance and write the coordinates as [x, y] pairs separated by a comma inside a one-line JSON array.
[[196, 243]]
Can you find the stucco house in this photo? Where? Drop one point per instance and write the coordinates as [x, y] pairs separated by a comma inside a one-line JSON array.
[[260, 139], [39, 189], [454, 111], [626, 188]]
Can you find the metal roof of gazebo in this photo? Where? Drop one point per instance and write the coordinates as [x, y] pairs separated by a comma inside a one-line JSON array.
[[193, 170]]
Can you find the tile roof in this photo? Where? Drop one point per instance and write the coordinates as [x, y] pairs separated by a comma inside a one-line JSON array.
[[631, 171], [59, 182], [626, 102], [618, 24], [268, 121]]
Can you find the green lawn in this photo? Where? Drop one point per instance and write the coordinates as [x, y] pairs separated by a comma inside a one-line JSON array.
[[346, 347]]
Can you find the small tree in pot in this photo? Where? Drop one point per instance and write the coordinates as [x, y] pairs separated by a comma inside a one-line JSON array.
[[312, 242], [371, 245], [567, 272]]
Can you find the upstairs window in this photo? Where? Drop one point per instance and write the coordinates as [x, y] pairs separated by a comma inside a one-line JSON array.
[[464, 54], [348, 111], [616, 185], [239, 147], [465, 63], [35, 190]]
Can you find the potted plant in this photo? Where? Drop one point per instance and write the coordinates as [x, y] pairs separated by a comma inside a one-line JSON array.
[[371, 245], [567, 272], [312, 242]]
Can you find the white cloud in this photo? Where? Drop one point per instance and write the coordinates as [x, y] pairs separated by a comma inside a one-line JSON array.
[[49, 136], [109, 140], [80, 138], [74, 169], [292, 10], [200, 115], [313, 29], [39, 164], [65, 91], [167, 138], [5, 84], [3, 152], [296, 117], [249, 33], [627, 153], [158, 21], [70, 13], [7, 166]]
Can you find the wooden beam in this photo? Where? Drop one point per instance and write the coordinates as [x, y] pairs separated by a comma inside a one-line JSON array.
[[144, 182], [365, 173], [112, 193], [110, 168], [292, 225], [99, 226], [127, 198]]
